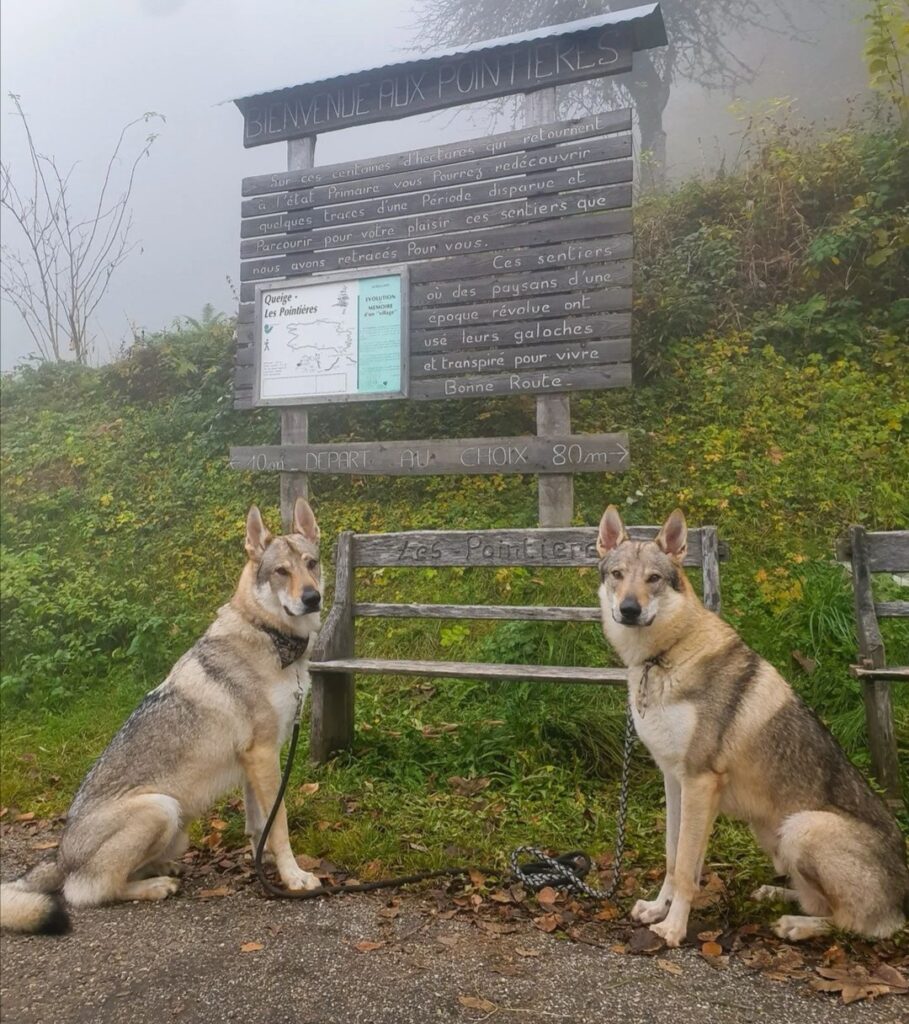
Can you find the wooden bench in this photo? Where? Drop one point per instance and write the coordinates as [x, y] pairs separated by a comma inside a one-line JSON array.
[[869, 553], [334, 664]]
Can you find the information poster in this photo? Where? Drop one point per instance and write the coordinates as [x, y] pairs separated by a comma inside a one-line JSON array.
[[332, 339]]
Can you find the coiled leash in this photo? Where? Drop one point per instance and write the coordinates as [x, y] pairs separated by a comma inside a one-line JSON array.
[[565, 872]]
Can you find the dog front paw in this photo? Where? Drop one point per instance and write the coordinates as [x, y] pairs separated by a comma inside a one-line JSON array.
[[297, 879], [670, 933], [650, 911]]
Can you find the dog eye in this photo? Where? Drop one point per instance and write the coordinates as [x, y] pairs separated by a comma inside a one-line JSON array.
[[311, 564], [616, 574], [654, 577], [281, 571]]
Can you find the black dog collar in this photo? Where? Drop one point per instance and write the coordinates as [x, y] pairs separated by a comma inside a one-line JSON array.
[[287, 646]]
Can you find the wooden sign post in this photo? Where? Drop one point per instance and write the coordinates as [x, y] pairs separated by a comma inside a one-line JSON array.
[[513, 254]]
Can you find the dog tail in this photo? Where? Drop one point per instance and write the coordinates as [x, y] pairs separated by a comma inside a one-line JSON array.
[[33, 902]]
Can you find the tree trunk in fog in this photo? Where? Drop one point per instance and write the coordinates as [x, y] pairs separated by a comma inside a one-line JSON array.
[[651, 94]]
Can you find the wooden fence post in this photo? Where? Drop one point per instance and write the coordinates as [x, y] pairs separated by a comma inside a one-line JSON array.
[[295, 421], [876, 692], [555, 494]]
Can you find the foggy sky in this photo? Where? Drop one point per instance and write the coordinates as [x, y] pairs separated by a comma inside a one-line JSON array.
[[83, 69]]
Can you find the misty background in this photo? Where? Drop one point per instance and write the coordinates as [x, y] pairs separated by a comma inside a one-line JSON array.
[[84, 70]]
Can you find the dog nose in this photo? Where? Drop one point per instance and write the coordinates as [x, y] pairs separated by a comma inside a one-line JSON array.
[[630, 609], [311, 599]]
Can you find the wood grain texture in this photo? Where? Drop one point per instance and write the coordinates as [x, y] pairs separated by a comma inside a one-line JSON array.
[[884, 550], [581, 453], [432, 156], [528, 613], [875, 691], [275, 242], [300, 211], [600, 225], [516, 286], [332, 711], [419, 86], [587, 378], [558, 548], [478, 670]]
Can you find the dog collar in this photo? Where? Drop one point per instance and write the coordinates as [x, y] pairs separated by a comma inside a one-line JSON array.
[[657, 661], [287, 646]]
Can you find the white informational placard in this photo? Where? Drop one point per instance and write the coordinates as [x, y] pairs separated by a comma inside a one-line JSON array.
[[337, 337]]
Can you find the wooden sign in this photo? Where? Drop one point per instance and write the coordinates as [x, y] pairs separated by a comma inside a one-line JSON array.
[[583, 453], [515, 65]]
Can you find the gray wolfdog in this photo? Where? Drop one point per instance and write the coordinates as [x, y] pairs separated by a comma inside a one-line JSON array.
[[730, 735], [220, 716]]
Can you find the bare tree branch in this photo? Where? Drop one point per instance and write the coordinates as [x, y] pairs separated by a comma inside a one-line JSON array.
[[64, 268]]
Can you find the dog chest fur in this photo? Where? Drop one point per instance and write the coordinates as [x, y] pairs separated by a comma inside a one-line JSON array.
[[665, 728]]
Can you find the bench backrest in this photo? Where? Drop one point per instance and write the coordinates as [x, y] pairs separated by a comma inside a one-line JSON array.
[[870, 552], [545, 548]]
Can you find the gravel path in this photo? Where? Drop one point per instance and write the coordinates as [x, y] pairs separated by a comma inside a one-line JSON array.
[[181, 960]]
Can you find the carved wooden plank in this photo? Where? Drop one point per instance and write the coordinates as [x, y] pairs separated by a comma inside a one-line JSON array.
[[530, 613], [431, 156], [571, 253], [617, 222], [523, 332], [332, 701], [559, 547], [478, 670], [533, 357], [542, 382], [514, 286], [298, 211], [420, 86], [608, 300], [581, 453], [519, 211], [547, 257]]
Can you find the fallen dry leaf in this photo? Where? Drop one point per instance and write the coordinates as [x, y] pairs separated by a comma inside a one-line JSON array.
[[669, 966], [450, 941], [251, 947], [49, 845], [205, 894], [891, 976], [27, 816], [618, 948], [219, 824], [366, 946], [308, 788], [477, 1003], [547, 895], [477, 878], [526, 952], [547, 922], [711, 950]]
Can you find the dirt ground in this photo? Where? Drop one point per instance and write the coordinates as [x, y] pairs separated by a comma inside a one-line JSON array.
[[219, 951]]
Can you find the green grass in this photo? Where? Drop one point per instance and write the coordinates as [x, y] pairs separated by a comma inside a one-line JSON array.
[[770, 399]]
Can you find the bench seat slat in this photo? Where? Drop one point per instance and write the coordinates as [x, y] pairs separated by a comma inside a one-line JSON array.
[[475, 670], [477, 611]]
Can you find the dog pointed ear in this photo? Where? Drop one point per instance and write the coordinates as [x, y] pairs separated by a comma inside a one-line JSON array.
[[673, 537], [257, 536], [304, 521], [612, 531]]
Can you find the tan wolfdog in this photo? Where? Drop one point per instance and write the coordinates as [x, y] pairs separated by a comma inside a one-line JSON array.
[[731, 736], [220, 717]]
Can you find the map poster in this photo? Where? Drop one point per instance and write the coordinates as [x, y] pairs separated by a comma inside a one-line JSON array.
[[337, 338]]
